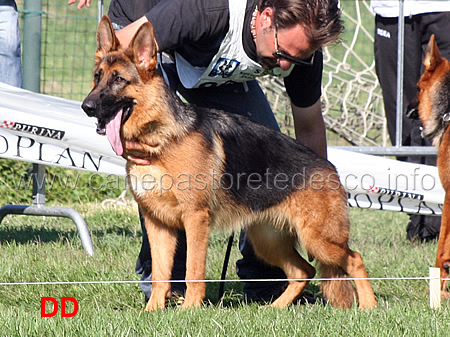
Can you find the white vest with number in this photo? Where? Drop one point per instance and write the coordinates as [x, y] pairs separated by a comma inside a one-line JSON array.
[[231, 64]]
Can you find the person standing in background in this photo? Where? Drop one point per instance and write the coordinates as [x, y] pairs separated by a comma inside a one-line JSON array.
[[422, 19], [10, 63]]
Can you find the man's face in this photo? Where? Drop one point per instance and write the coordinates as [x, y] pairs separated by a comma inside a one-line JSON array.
[[290, 45]]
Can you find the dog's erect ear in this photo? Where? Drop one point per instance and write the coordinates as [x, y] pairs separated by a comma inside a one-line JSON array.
[[432, 55], [106, 38], [144, 47]]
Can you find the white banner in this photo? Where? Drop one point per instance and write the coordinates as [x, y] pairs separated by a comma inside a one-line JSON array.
[[53, 131], [386, 184]]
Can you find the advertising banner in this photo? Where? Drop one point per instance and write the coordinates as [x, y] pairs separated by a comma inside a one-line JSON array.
[[53, 131]]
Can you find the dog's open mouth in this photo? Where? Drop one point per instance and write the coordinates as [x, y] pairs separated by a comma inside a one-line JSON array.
[[125, 113], [111, 128]]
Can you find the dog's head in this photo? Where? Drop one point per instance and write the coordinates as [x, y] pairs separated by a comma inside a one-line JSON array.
[[119, 74], [433, 99]]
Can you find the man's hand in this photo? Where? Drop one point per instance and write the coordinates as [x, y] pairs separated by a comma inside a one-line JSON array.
[[81, 3], [126, 34], [135, 152]]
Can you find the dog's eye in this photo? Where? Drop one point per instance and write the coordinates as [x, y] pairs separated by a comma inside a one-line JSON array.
[[96, 78], [120, 79]]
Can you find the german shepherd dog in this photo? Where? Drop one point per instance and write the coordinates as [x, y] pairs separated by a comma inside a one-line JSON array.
[[433, 109], [208, 169]]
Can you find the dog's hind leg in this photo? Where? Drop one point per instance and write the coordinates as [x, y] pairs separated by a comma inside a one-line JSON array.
[[197, 229], [324, 234], [443, 250], [337, 261], [163, 241], [278, 249], [352, 265]]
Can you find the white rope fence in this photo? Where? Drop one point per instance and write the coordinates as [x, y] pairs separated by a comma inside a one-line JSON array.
[[434, 278]]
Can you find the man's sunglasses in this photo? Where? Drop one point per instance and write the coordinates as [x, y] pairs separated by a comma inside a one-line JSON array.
[[297, 61]]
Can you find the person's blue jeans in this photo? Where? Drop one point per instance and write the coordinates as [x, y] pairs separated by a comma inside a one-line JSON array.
[[244, 99], [10, 64]]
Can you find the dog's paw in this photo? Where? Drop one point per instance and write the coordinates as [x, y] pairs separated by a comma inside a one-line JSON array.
[[155, 304], [370, 304], [193, 303]]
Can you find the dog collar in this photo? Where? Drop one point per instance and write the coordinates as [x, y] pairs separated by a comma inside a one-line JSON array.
[[444, 121], [446, 117]]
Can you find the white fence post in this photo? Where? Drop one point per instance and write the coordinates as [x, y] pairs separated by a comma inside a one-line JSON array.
[[435, 288]]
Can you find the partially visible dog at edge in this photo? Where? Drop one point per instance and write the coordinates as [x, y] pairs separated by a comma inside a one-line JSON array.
[[208, 169], [432, 106]]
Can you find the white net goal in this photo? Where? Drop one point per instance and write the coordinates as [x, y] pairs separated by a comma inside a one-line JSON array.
[[351, 96]]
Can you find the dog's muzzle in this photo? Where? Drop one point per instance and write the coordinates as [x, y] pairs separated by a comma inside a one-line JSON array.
[[90, 108]]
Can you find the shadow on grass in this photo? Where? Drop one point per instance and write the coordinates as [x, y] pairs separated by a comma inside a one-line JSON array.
[[28, 234], [233, 295], [99, 233], [38, 230]]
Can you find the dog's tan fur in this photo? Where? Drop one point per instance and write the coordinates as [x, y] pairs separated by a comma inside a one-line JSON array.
[[316, 215], [434, 98]]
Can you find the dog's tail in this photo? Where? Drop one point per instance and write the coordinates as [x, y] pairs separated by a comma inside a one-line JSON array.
[[339, 293]]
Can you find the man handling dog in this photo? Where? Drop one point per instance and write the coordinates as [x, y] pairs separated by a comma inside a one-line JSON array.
[[211, 52]]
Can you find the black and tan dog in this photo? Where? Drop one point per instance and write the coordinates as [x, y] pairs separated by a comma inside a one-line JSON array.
[[207, 169], [433, 107]]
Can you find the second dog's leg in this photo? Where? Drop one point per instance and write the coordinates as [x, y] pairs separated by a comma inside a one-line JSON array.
[[163, 241], [443, 250], [196, 225]]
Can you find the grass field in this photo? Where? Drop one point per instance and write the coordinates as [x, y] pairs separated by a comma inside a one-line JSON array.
[[35, 249]]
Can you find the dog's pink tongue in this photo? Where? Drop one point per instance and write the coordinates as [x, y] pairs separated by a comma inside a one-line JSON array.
[[113, 133]]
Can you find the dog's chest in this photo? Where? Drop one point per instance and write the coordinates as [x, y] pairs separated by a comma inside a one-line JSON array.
[[153, 190], [149, 180], [444, 160]]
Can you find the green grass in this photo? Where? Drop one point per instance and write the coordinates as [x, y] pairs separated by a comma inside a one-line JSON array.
[[37, 249]]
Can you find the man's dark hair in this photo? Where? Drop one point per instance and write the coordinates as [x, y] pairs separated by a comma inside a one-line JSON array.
[[320, 18]]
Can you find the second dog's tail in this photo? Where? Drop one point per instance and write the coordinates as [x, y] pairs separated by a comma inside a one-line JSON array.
[[339, 293]]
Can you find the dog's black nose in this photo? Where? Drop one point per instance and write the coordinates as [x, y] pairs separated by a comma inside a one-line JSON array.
[[89, 107]]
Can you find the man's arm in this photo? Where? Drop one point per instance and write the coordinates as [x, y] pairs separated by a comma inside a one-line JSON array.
[[127, 33], [310, 127]]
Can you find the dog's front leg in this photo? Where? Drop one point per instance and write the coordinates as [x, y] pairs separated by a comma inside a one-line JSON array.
[[163, 241], [197, 234]]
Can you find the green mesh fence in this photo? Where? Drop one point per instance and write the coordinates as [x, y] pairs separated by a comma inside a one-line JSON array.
[[68, 46]]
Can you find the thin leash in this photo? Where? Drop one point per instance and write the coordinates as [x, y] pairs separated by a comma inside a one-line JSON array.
[[225, 265]]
